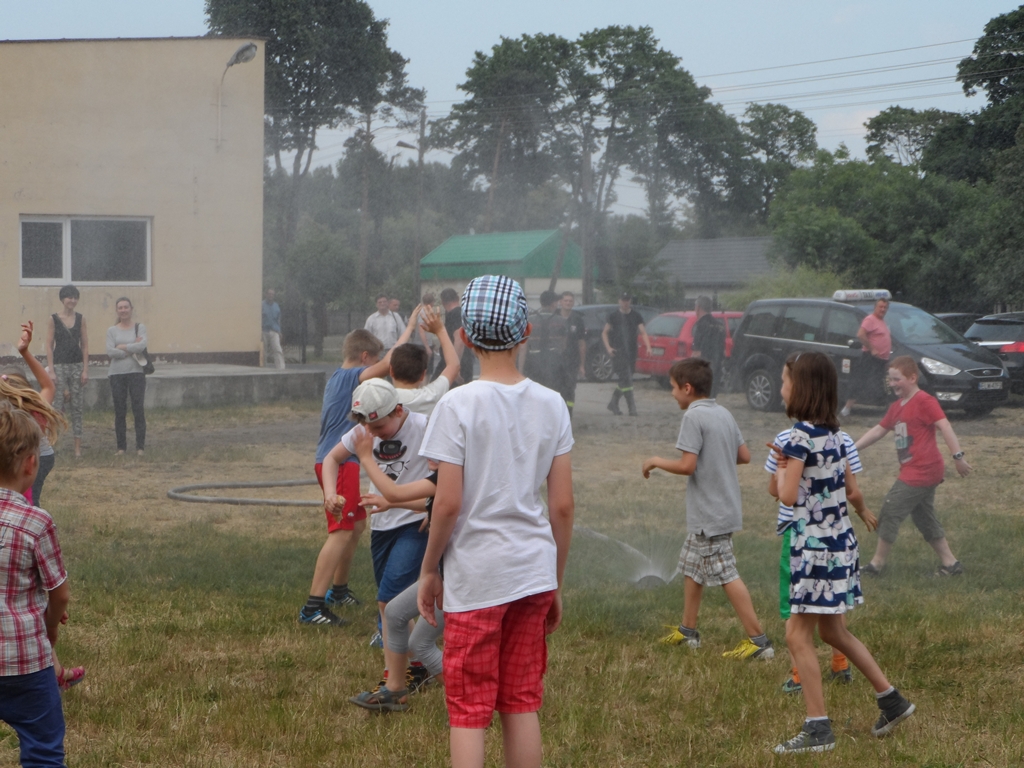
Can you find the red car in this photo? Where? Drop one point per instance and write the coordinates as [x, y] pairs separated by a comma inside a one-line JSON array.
[[671, 339]]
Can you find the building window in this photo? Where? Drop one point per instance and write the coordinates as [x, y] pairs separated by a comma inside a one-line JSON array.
[[86, 250]]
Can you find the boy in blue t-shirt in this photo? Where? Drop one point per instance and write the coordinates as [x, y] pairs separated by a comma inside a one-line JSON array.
[[362, 361]]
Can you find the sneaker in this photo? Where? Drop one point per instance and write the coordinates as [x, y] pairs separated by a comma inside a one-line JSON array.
[[791, 686], [69, 677], [675, 637], [383, 700], [844, 412], [841, 676], [417, 678], [322, 617], [871, 570], [747, 649], [344, 597], [815, 736], [377, 641], [956, 569], [895, 709]]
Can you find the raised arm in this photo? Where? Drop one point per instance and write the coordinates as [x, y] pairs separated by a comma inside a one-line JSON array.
[[435, 325], [50, 330], [46, 386], [871, 437], [382, 367]]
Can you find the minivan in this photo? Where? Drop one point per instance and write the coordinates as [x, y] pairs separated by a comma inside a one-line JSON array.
[[959, 373]]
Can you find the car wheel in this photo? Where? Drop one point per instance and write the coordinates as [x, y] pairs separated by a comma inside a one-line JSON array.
[[664, 382], [599, 365], [762, 390]]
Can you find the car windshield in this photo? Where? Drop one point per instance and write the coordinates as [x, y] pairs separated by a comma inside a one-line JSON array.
[[913, 326], [666, 325], [997, 329]]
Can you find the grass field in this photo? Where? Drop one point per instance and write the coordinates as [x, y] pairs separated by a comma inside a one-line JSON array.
[[185, 615]]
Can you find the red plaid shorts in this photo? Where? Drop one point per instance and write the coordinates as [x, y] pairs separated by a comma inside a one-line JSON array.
[[495, 659]]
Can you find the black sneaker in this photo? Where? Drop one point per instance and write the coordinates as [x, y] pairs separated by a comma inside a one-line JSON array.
[[815, 736], [871, 570], [895, 709], [841, 676], [322, 617], [343, 597], [417, 678], [956, 569]]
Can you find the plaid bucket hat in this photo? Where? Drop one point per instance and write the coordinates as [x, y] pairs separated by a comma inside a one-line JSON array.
[[494, 312]]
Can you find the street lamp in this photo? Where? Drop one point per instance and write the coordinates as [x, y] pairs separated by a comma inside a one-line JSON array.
[[245, 53], [420, 149]]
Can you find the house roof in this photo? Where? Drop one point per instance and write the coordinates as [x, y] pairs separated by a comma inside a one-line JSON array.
[[723, 261], [516, 254]]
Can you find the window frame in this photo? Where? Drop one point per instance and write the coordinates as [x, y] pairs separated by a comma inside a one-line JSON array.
[[65, 279]]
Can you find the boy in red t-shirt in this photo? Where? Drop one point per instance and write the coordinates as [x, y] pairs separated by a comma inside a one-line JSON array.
[[914, 418]]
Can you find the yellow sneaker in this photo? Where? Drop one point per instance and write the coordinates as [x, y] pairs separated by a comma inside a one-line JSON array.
[[747, 649], [675, 637]]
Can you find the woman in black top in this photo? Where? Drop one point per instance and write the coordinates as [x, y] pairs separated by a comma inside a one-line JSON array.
[[67, 352]]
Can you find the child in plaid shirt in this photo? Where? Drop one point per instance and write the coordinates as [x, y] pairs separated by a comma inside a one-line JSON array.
[[35, 599]]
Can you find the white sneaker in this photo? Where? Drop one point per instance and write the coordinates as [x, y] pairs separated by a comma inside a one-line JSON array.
[[844, 412]]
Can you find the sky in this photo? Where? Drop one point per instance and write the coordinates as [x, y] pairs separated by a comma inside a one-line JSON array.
[[757, 40]]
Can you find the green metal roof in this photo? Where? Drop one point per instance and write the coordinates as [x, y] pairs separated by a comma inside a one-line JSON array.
[[516, 254]]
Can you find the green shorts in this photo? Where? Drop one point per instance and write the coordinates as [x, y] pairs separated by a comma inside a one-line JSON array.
[[787, 538]]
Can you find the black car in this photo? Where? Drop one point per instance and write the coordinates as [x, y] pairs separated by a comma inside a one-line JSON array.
[[958, 321], [598, 363], [956, 371], [1004, 335]]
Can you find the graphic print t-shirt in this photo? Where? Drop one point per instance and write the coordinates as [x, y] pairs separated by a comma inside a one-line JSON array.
[[398, 458], [913, 422]]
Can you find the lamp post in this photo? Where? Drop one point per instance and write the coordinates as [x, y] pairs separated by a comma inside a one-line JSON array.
[[245, 53], [418, 248]]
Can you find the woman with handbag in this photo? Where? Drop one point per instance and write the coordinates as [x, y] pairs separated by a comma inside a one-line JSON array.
[[67, 354], [126, 348]]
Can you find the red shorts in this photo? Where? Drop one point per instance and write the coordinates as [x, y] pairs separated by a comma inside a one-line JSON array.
[[348, 487], [495, 659]]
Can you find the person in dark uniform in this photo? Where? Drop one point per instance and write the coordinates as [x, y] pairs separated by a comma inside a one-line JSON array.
[[620, 340], [575, 349], [545, 349], [709, 341], [452, 323]]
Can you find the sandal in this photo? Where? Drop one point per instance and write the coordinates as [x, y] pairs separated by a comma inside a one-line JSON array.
[[67, 678]]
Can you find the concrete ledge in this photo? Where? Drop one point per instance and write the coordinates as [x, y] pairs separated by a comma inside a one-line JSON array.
[[188, 386]]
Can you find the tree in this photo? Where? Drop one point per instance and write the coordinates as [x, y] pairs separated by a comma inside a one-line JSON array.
[[996, 65], [901, 134], [323, 58], [780, 139], [321, 264], [502, 129]]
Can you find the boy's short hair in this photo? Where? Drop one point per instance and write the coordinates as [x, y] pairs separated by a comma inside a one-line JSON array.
[[19, 437], [68, 292], [359, 341], [448, 295], [373, 400], [408, 362], [696, 372], [906, 365], [548, 298]]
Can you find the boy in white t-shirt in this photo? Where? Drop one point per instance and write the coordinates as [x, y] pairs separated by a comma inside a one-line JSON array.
[[497, 440], [409, 367], [396, 541]]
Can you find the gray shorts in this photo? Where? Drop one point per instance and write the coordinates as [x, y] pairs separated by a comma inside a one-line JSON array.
[[903, 500], [709, 560]]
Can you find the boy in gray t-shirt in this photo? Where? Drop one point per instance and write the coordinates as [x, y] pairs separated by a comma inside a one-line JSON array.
[[711, 446]]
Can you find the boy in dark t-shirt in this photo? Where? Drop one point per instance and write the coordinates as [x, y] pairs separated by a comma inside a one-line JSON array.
[[914, 418]]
